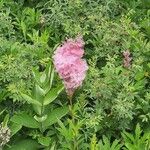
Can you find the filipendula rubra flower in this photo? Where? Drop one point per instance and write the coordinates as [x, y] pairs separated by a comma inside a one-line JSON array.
[[70, 65]]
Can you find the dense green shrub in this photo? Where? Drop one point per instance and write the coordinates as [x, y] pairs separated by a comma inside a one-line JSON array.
[[114, 98]]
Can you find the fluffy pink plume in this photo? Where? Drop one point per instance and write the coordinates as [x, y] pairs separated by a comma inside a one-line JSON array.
[[70, 65]]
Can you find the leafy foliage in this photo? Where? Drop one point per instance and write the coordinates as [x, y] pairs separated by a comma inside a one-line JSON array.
[[113, 99], [106, 145], [136, 141]]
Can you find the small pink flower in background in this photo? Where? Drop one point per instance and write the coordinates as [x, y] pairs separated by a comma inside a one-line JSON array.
[[127, 59], [70, 65]]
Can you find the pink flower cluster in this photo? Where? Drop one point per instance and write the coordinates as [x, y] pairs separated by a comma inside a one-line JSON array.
[[127, 59], [70, 65]]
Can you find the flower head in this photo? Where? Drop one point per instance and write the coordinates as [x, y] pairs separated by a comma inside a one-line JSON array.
[[4, 135], [127, 59], [70, 65]]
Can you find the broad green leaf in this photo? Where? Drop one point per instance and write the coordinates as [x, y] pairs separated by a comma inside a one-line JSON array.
[[48, 70], [39, 90], [25, 120], [45, 141], [43, 77], [50, 76], [25, 145], [52, 117], [37, 109], [31, 100], [14, 128], [40, 119], [52, 95], [38, 93], [36, 75]]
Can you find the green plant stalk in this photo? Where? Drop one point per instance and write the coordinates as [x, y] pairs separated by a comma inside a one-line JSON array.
[[41, 115], [71, 108], [75, 145]]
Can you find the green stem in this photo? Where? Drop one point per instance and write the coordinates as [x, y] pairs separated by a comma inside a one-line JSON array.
[[71, 109], [75, 145], [42, 110], [70, 100]]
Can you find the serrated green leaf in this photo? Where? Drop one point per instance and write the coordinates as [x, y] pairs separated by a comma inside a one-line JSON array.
[[25, 120], [137, 132], [128, 137], [116, 145]]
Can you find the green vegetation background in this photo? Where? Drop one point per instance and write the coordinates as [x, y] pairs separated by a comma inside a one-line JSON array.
[[112, 109]]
